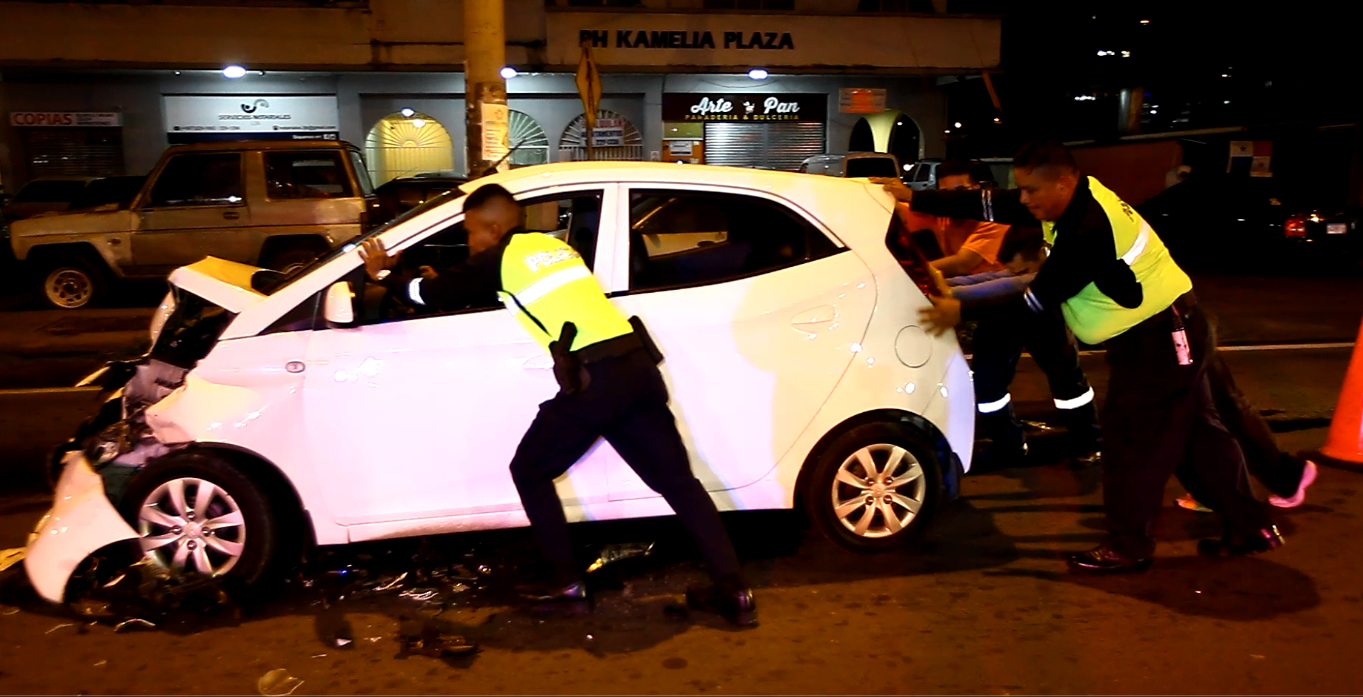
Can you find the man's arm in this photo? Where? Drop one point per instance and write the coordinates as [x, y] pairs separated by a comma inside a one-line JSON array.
[[1085, 254], [957, 264], [993, 205], [473, 281]]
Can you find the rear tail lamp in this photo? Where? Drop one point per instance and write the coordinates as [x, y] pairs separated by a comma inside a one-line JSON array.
[[911, 259], [1295, 226]]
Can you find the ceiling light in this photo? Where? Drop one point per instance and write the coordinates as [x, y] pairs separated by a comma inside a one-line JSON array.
[[957, 124], [418, 122], [508, 72], [407, 112], [758, 73], [233, 71], [1145, 21]]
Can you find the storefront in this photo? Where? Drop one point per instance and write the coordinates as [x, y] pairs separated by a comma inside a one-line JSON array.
[[69, 144], [767, 130]]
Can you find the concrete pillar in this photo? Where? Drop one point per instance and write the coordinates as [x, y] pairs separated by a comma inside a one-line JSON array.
[[1129, 113], [484, 86]]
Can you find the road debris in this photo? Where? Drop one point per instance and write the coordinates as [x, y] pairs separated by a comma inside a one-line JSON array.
[[611, 554], [10, 557], [133, 624], [63, 624], [277, 683]]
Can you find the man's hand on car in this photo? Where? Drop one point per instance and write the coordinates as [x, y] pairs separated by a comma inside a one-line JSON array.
[[376, 258], [896, 187], [943, 316]]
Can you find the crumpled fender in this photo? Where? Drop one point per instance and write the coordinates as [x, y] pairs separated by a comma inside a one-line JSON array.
[[81, 521]]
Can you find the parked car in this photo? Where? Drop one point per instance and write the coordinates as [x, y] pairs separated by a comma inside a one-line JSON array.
[[400, 195], [853, 164], [272, 203], [1247, 222], [45, 195], [267, 414]]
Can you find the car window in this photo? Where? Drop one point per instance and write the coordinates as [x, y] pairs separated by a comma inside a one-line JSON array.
[[871, 167], [680, 239], [199, 180], [304, 175], [573, 217], [49, 191], [361, 173], [922, 172]]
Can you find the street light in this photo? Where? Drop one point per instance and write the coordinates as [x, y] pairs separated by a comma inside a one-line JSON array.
[[233, 72], [758, 73], [407, 112], [509, 72]]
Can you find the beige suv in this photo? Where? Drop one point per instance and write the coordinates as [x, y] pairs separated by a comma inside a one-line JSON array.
[[274, 204]]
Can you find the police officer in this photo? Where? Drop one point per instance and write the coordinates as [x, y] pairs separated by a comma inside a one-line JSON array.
[[609, 386], [1117, 285]]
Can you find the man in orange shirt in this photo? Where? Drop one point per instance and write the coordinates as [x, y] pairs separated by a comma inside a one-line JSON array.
[[971, 254]]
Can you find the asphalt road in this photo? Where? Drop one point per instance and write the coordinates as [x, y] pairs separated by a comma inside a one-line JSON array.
[[983, 604]]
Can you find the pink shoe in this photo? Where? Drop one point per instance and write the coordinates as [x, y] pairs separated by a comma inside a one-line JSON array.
[[1308, 476], [1187, 501]]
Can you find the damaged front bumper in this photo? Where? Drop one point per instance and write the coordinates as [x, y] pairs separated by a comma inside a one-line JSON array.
[[82, 520]]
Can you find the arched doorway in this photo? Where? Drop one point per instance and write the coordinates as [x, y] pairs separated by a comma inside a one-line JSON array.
[[905, 141], [530, 143], [615, 139], [863, 139], [405, 145]]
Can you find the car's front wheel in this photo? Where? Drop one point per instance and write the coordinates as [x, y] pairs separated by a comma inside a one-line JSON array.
[[198, 514], [70, 282], [875, 487]]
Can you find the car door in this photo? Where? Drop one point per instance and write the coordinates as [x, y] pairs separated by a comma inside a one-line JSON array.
[[196, 208], [753, 305], [418, 416]]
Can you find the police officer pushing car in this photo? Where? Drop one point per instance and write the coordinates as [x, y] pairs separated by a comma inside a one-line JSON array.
[[609, 386]]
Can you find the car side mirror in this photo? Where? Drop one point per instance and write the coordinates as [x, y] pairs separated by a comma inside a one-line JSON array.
[[339, 308]]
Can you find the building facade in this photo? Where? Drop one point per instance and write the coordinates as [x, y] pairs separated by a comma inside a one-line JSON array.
[[101, 88]]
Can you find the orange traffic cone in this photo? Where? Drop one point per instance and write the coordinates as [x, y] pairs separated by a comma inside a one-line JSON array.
[[1345, 441]]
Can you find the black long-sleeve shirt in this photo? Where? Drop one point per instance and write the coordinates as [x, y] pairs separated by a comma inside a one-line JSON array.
[[470, 284], [1084, 251]]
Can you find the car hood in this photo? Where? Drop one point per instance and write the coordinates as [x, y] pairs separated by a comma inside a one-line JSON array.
[[226, 284], [66, 223]]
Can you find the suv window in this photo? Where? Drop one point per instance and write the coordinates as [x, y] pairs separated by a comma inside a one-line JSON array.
[[300, 175], [199, 180], [49, 191], [680, 239], [573, 217]]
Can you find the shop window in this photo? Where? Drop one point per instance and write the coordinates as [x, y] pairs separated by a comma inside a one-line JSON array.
[[614, 138], [299, 175], [680, 239], [529, 143], [405, 146], [199, 180]]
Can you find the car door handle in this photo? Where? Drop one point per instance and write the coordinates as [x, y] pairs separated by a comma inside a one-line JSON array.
[[542, 361], [231, 215]]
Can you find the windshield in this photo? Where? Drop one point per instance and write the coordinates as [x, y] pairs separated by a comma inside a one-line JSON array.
[[350, 244]]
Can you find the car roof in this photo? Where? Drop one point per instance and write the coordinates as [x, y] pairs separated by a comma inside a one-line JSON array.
[[240, 145]]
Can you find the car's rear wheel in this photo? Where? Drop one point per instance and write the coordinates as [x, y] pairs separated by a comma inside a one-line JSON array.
[[875, 487], [70, 282], [198, 514], [291, 259]]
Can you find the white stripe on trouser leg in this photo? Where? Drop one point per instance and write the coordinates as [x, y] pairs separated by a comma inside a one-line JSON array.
[[991, 407], [414, 291], [1075, 403], [1032, 302]]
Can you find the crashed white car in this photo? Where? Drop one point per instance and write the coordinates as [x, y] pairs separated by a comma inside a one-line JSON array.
[[275, 412]]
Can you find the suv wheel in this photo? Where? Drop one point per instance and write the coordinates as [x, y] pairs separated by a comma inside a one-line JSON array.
[[69, 282], [198, 514], [875, 487], [291, 259]]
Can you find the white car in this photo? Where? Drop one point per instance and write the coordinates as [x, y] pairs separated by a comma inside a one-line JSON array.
[[278, 411]]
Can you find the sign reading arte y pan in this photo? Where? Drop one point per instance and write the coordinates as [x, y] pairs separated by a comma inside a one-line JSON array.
[[194, 118], [747, 106]]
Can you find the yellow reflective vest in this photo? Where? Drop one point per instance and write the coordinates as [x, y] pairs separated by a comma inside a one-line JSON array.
[[545, 284], [1092, 315]]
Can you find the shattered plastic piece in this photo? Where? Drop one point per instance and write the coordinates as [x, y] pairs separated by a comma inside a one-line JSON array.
[[419, 594], [395, 583], [613, 553], [63, 624], [277, 683], [459, 572], [484, 569], [10, 557], [10, 611], [437, 647], [101, 663], [133, 623], [459, 588]]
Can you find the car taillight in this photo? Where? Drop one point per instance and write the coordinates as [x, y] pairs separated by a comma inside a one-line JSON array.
[[1295, 227], [900, 244]]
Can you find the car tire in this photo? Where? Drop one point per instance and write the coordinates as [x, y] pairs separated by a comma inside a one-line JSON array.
[[242, 549], [71, 282], [874, 511], [290, 259]]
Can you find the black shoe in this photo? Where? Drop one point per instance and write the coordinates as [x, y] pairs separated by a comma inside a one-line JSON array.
[[1104, 560], [1264, 540], [575, 592], [735, 604]]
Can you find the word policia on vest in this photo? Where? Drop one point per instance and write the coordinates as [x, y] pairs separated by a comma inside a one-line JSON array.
[[543, 260]]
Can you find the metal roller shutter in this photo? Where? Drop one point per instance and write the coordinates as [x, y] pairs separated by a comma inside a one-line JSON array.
[[73, 152], [780, 146]]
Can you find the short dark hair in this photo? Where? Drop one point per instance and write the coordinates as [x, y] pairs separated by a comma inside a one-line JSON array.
[[1047, 156], [486, 194], [956, 167], [1020, 239]]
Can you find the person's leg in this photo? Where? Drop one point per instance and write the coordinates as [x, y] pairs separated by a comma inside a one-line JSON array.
[[1279, 471], [996, 347], [1056, 352]]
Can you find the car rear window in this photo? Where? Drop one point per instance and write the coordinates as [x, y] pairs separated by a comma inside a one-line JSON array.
[[871, 167]]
